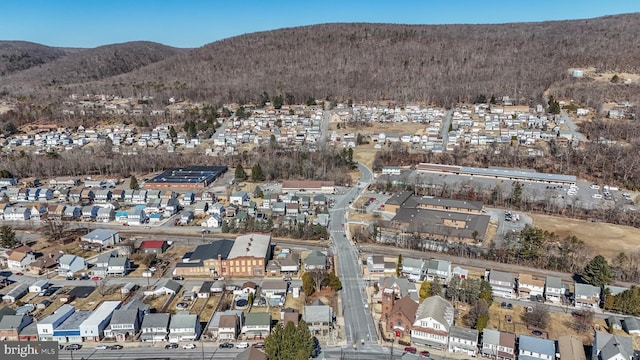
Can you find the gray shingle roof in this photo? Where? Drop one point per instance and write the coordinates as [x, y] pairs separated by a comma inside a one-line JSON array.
[[317, 313], [437, 308], [124, 316], [160, 320], [537, 345], [183, 320]]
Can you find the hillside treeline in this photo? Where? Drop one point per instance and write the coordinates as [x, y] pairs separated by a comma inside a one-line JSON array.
[[435, 64]]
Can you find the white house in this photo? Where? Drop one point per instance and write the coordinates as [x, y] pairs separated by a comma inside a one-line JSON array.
[[18, 213], [93, 327], [16, 293], [434, 318], [155, 327], [239, 198], [533, 347], [20, 258], [39, 285], [213, 221], [502, 284], [554, 290], [69, 264], [463, 340], [184, 327], [440, 269], [529, 286], [586, 295]]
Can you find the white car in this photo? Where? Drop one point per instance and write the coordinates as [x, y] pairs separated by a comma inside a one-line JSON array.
[[242, 345], [595, 187], [189, 346], [597, 196], [101, 347]]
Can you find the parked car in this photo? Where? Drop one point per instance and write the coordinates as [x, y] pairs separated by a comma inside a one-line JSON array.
[[425, 353], [178, 278], [410, 349], [101, 347], [96, 278], [117, 347], [189, 346], [288, 278], [258, 345], [73, 347], [242, 345], [226, 345], [19, 274], [171, 346]]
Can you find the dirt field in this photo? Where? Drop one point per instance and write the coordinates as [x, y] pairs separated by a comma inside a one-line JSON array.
[[605, 239], [112, 292], [559, 323]]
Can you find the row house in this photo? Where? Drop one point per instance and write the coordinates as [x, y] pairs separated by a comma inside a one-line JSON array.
[[554, 290], [463, 340], [502, 283], [184, 327], [438, 269], [586, 295], [124, 324], [536, 348], [225, 325], [530, 287], [498, 345]]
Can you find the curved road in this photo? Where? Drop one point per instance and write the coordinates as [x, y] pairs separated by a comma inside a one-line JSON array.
[[358, 321]]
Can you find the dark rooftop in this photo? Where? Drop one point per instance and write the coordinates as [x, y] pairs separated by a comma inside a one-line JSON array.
[[189, 175], [212, 250]]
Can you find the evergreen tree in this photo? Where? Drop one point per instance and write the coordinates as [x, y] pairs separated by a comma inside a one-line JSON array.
[[172, 132], [516, 194], [333, 281], [436, 287], [277, 102], [399, 266], [8, 237], [133, 183], [256, 173], [240, 174], [597, 272], [289, 342]]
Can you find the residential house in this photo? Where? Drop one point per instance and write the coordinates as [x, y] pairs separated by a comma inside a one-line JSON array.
[[137, 217], [631, 325], [463, 340], [434, 318], [535, 348], [289, 315], [44, 263], [17, 213], [201, 208], [257, 325], [615, 322], [288, 263], [56, 211], [377, 266], [439, 269], [529, 286], [29, 332], [19, 258], [586, 295], [69, 264], [102, 263], [213, 221], [103, 196], [12, 325], [38, 212], [239, 198], [216, 209], [273, 288], [39, 286], [460, 272], [571, 347], [225, 325], [316, 261], [554, 290], [498, 345], [166, 286], [89, 212], [72, 213], [155, 327], [119, 266], [502, 284], [105, 214], [413, 268], [184, 327], [251, 353], [186, 217], [124, 324], [611, 347], [319, 317], [154, 246]]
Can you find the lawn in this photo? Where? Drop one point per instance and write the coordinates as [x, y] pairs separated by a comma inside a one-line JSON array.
[[605, 239]]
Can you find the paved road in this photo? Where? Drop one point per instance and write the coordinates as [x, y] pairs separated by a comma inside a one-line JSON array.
[[89, 352], [358, 322], [572, 127], [444, 131]]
